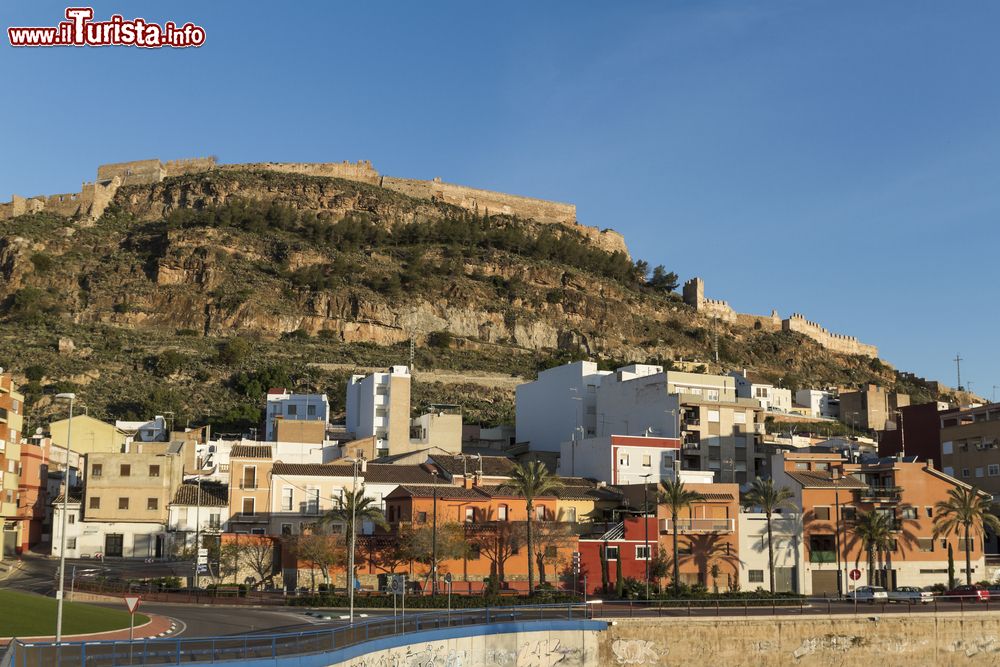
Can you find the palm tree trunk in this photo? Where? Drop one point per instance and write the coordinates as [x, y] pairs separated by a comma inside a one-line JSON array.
[[888, 568], [968, 558], [770, 553], [531, 565], [677, 569], [871, 565]]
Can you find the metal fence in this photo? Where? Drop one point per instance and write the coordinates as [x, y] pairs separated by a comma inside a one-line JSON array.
[[249, 647]]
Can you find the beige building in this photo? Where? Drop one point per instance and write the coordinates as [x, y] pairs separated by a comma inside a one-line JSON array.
[[871, 407], [133, 487], [970, 445], [11, 428]]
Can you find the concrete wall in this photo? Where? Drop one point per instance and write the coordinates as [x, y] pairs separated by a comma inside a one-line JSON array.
[[845, 641]]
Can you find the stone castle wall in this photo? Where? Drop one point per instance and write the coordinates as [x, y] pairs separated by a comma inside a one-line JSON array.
[[94, 197], [694, 295]]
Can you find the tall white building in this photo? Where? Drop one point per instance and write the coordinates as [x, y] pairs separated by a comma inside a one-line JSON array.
[[555, 407], [284, 405], [772, 399], [379, 405]]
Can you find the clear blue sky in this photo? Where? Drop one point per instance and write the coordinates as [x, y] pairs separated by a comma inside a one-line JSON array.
[[841, 159]]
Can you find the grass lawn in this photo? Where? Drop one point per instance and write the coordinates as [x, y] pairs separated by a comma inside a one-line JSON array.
[[28, 615]]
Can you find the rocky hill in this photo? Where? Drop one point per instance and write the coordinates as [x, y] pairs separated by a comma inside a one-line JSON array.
[[191, 294]]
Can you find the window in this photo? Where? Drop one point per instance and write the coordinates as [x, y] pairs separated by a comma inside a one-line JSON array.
[[962, 544], [214, 521], [421, 517], [611, 553], [569, 514], [712, 394], [642, 552], [739, 418], [249, 477], [293, 410], [95, 503], [908, 513], [287, 499], [993, 470], [125, 470], [948, 470], [152, 503], [470, 514], [713, 416], [71, 543], [979, 472], [965, 472], [71, 518], [123, 503], [822, 513], [96, 470], [248, 506], [925, 544], [502, 513], [930, 512], [821, 466], [311, 410], [551, 551], [154, 471], [540, 513], [312, 501], [647, 461], [286, 529], [755, 576], [623, 459], [801, 466]]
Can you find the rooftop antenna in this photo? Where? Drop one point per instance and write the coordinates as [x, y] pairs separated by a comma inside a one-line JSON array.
[[413, 348], [958, 368]]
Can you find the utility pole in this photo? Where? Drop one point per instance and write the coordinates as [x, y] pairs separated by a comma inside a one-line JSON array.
[[434, 538], [69, 396], [958, 368], [645, 520]]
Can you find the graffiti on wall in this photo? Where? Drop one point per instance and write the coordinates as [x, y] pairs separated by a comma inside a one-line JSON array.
[[636, 652], [541, 653]]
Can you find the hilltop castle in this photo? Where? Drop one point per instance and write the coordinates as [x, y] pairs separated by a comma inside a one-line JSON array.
[[95, 196], [694, 295]]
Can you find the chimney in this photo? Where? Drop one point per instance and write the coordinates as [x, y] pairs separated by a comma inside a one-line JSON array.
[[468, 482], [835, 473]]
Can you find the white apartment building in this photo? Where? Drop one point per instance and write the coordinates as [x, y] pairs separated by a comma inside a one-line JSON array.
[[786, 541], [379, 405], [818, 402], [620, 459], [559, 405], [285, 405], [772, 399], [214, 455], [154, 430], [191, 513]]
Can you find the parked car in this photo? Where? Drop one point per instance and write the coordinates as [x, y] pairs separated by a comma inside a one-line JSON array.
[[869, 594], [910, 595], [975, 593]]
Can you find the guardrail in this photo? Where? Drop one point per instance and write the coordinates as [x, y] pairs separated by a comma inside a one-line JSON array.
[[208, 650]]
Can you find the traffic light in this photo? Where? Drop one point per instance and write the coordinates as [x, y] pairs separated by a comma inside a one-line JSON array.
[[576, 562]]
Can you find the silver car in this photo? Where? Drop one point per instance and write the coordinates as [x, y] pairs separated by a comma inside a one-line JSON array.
[[869, 594], [911, 595]]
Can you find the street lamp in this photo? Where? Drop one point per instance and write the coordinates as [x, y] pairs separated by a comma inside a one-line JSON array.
[[434, 538], [572, 471], [360, 461], [645, 520], [62, 533]]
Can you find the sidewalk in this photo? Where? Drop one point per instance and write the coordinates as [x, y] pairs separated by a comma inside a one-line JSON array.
[[158, 626]]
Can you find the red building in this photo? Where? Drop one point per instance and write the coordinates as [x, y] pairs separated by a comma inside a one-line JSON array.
[[918, 430], [625, 543]]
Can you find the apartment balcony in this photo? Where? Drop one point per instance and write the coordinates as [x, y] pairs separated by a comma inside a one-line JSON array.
[[688, 422], [758, 428], [822, 556], [698, 525], [248, 486], [881, 494], [691, 447]]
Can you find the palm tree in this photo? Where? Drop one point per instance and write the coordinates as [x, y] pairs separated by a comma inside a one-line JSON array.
[[677, 498], [769, 498], [532, 480], [354, 506], [874, 530], [967, 509]]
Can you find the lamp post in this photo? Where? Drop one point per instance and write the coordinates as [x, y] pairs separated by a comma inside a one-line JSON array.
[[434, 538], [62, 532], [354, 532], [572, 471], [645, 520], [836, 501]]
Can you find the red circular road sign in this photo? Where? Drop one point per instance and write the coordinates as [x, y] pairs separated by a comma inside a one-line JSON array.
[[854, 574]]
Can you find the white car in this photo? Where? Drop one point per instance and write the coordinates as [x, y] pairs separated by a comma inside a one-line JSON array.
[[869, 594], [911, 595]]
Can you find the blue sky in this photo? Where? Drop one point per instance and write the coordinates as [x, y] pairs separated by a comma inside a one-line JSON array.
[[840, 159]]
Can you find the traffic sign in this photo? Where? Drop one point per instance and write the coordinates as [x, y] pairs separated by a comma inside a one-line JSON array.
[[396, 584], [132, 602], [854, 574], [202, 556], [447, 577]]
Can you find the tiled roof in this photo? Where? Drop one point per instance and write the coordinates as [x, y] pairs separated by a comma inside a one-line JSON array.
[[250, 452], [73, 498], [823, 479], [212, 495], [717, 496], [314, 469], [443, 491], [506, 491], [581, 488], [492, 466]]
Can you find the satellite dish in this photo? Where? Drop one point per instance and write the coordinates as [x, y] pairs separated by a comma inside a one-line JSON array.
[[38, 431]]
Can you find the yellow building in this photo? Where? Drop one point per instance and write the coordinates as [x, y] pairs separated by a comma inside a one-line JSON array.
[[582, 500], [89, 435]]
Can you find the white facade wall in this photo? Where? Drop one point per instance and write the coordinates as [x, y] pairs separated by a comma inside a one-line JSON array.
[[183, 518], [599, 459], [786, 536], [820, 403], [312, 407], [367, 397], [550, 409], [139, 540]]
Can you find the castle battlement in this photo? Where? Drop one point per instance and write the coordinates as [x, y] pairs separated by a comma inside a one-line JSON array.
[[694, 295]]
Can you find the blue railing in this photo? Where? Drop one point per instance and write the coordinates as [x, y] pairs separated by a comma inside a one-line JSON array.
[[179, 650]]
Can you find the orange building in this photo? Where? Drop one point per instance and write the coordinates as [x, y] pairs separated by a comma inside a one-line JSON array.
[[833, 493], [708, 536], [250, 488]]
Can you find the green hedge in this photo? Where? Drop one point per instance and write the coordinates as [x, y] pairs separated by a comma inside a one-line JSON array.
[[433, 601]]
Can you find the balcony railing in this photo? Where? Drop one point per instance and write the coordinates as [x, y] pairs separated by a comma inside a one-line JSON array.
[[822, 556], [698, 525], [885, 494], [692, 421]]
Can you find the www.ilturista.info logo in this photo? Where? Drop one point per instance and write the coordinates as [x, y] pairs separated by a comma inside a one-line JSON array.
[[81, 30]]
